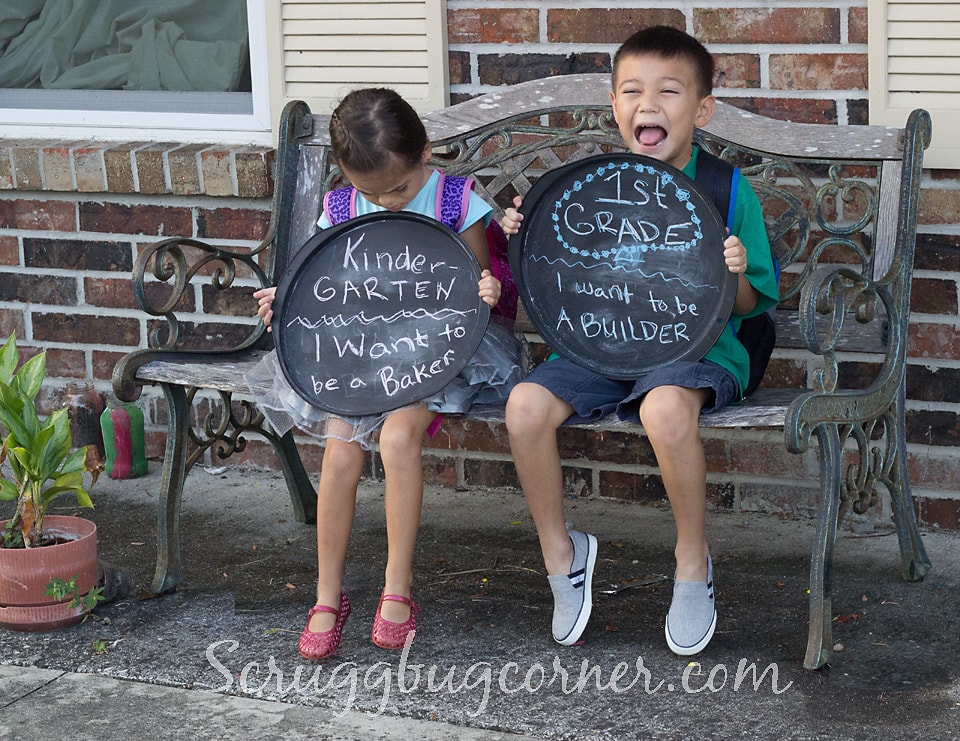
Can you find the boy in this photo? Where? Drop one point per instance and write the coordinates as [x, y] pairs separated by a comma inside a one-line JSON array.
[[662, 89]]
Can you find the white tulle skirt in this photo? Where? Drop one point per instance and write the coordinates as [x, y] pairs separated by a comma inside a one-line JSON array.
[[488, 377]]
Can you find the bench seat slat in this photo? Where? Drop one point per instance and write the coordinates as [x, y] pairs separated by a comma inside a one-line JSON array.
[[766, 408]]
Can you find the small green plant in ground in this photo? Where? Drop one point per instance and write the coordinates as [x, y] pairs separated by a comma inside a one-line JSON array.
[[62, 590]]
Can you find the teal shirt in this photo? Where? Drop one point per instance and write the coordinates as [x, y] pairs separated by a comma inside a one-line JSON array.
[[749, 226]]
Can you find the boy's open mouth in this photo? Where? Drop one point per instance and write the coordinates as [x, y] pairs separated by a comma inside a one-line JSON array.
[[650, 136]]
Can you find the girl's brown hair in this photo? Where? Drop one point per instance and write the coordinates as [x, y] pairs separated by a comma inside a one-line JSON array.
[[372, 125]]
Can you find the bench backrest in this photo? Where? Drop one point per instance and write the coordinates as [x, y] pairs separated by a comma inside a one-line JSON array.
[[840, 201]]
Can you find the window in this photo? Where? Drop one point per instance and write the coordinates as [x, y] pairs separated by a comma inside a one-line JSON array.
[[184, 70], [914, 50]]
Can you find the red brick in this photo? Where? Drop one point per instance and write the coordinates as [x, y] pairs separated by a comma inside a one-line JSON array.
[[439, 470], [89, 169], [766, 457], [103, 363], [929, 472], [6, 168], [57, 172], [928, 340], [217, 168], [606, 25], [943, 513], [737, 71], [235, 301], [857, 26], [634, 487], [151, 177], [9, 250], [233, 223], [38, 289], [26, 165], [76, 254], [818, 71], [118, 164], [85, 329], [802, 110], [767, 25], [459, 433], [509, 69], [491, 474], [934, 296], [12, 321], [136, 219], [493, 26], [254, 172], [459, 66], [184, 169], [938, 206], [55, 216], [114, 293]]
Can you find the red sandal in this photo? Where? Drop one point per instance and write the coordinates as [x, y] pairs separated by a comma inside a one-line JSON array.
[[388, 634], [321, 645]]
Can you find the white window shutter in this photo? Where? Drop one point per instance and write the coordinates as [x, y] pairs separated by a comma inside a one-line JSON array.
[[325, 48], [914, 52]]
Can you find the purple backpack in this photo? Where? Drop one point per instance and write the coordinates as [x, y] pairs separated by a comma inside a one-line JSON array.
[[453, 196]]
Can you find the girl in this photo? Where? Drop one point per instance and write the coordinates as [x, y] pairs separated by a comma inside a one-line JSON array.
[[382, 148]]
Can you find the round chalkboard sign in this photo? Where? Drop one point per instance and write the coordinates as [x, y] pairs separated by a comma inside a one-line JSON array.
[[619, 261], [378, 312]]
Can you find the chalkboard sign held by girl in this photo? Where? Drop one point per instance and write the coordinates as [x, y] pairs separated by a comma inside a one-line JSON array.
[[382, 148]]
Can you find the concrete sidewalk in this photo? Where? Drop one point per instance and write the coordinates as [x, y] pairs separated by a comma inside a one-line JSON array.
[[218, 658]]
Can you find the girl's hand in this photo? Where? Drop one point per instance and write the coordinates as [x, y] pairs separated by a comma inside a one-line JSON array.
[[512, 218], [489, 288], [265, 298], [735, 255]]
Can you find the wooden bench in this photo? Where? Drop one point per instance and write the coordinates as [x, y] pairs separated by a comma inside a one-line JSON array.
[[841, 205]]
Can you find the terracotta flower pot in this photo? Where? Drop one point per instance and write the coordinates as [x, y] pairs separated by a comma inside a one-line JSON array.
[[26, 572]]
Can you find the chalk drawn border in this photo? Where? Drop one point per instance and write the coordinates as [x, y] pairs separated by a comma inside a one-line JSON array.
[[384, 226], [541, 207]]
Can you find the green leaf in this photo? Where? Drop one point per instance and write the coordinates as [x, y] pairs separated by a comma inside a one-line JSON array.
[[8, 358], [8, 490], [29, 378]]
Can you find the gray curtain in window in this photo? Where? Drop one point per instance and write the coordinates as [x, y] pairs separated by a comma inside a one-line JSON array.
[[179, 45]]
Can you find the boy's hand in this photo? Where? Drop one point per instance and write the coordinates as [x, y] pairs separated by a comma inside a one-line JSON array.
[[489, 288], [265, 298], [512, 217], [735, 255]]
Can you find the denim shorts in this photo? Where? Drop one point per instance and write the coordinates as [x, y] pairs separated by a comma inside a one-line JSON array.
[[592, 396]]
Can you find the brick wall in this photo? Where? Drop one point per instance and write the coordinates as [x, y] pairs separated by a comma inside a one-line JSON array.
[[74, 215]]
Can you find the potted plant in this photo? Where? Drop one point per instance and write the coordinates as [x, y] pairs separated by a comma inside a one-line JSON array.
[[36, 548]]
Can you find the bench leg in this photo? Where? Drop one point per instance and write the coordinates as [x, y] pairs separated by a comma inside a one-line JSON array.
[[303, 495], [820, 636], [913, 556], [169, 568]]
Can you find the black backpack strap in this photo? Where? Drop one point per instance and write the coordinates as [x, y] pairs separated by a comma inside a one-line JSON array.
[[718, 180]]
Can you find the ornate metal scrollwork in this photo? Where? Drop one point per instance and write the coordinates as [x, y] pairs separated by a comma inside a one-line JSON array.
[[169, 263], [222, 425]]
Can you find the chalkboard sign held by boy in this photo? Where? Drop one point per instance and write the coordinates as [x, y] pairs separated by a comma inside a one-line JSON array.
[[661, 90]]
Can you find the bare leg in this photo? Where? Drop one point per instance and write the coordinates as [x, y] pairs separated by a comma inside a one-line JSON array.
[[401, 441], [533, 415], [336, 500], [670, 418]]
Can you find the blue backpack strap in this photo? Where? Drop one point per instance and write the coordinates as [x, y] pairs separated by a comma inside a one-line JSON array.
[[340, 205]]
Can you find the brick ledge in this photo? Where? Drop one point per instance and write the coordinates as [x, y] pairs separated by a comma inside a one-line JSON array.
[[137, 167]]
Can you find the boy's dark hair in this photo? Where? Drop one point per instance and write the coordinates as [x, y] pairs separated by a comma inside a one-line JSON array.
[[669, 43], [371, 125]]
